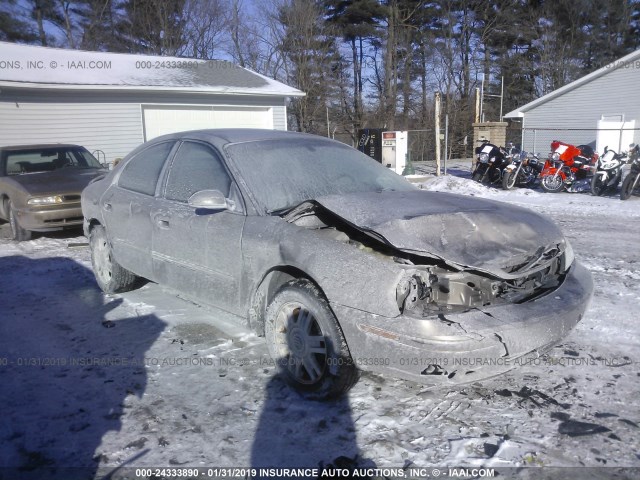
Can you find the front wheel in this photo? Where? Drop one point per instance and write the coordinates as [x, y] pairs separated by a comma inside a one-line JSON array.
[[552, 183], [111, 277], [597, 185], [509, 179], [18, 233], [306, 342], [629, 185], [494, 175], [477, 177]]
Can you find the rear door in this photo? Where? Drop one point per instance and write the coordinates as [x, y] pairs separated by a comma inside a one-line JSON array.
[[127, 206], [198, 252]]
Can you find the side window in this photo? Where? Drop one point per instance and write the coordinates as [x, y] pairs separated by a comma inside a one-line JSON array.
[[142, 172], [196, 167]]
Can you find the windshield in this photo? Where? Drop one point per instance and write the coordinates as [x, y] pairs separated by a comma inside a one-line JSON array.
[[283, 173], [18, 162]]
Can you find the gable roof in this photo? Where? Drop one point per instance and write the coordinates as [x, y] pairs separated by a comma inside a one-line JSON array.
[[628, 61], [43, 67]]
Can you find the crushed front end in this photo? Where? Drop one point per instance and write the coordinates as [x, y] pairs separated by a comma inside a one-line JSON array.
[[458, 327], [452, 322]]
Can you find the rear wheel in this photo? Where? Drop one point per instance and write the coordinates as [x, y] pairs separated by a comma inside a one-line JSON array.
[[509, 179], [306, 342], [111, 277], [628, 186], [597, 185], [18, 233], [552, 183]]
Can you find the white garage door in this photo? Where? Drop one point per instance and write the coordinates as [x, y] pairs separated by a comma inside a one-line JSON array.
[[160, 120]]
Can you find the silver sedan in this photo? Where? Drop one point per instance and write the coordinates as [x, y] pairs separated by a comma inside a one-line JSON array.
[[340, 263]]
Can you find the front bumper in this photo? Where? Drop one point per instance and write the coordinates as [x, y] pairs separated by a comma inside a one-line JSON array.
[[47, 218], [465, 347]]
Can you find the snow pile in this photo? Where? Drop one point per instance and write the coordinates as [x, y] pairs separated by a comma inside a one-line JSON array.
[[465, 186]]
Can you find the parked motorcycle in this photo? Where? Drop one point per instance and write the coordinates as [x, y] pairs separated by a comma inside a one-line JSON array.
[[632, 180], [566, 166], [490, 164], [608, 171], [522, 171]]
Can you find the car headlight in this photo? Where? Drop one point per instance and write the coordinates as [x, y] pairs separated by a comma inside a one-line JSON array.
[[569, 256], [484, 157], [51, 200]]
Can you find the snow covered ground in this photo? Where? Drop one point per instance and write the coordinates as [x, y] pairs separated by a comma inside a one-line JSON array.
[[150, 379]]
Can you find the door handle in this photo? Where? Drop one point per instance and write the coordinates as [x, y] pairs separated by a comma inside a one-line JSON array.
[[162, 222], [107, 207]]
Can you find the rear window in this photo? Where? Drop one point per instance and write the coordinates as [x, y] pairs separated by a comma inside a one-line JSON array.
[[142, 172]]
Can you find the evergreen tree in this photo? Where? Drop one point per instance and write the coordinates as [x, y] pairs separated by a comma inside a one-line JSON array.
[[13, 27], [357, 21]]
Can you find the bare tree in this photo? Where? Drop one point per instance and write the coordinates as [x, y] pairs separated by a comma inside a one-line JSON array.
[[206, 24]]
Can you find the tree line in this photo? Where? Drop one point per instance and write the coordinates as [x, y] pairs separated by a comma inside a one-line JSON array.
[[362, 63]]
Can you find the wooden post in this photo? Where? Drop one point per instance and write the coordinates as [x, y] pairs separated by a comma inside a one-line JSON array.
[[437, 128]]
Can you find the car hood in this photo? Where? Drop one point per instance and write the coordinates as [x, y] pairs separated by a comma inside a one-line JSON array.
[[463, 231], [67, 180]]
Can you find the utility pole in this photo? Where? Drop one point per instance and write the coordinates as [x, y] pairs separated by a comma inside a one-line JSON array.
[[437, 128], [328, 131], [446, 141]]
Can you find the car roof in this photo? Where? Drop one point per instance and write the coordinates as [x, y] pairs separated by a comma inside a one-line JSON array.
[[220, 137], [223, 136], [40, 146]]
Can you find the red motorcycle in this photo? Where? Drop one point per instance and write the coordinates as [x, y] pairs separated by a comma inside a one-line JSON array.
[[566, 166]]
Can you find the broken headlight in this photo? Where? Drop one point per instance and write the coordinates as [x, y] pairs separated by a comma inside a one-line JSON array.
[[444, 291], [411, 292]]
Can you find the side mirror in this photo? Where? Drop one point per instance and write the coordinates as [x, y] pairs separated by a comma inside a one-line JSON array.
[[210, 200]]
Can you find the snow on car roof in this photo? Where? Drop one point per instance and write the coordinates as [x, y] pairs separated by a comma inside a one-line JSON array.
[[42, 146], [43, 67]]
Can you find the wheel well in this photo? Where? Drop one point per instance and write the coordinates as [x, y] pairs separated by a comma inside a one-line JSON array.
[[268, 287], [92, 224]]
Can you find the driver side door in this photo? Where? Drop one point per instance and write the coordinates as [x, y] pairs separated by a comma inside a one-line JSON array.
[[196, 251]]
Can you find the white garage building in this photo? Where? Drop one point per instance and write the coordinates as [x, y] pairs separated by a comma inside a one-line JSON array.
[[112, 102], [600, 109]]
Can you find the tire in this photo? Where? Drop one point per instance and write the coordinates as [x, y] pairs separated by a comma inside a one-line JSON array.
[[597, 188], [495, 176], [306, 342], [111, 277], [18, 233], [509, 180], [628, 186], [552, 184], [477, 177]]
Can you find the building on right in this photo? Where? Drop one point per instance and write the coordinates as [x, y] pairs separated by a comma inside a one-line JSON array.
[[601, 110]]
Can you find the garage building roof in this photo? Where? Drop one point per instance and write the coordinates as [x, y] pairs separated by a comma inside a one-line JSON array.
[[44, 67], [631, 60]]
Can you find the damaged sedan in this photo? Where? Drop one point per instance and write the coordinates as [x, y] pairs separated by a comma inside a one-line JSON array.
[[338, 262]]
